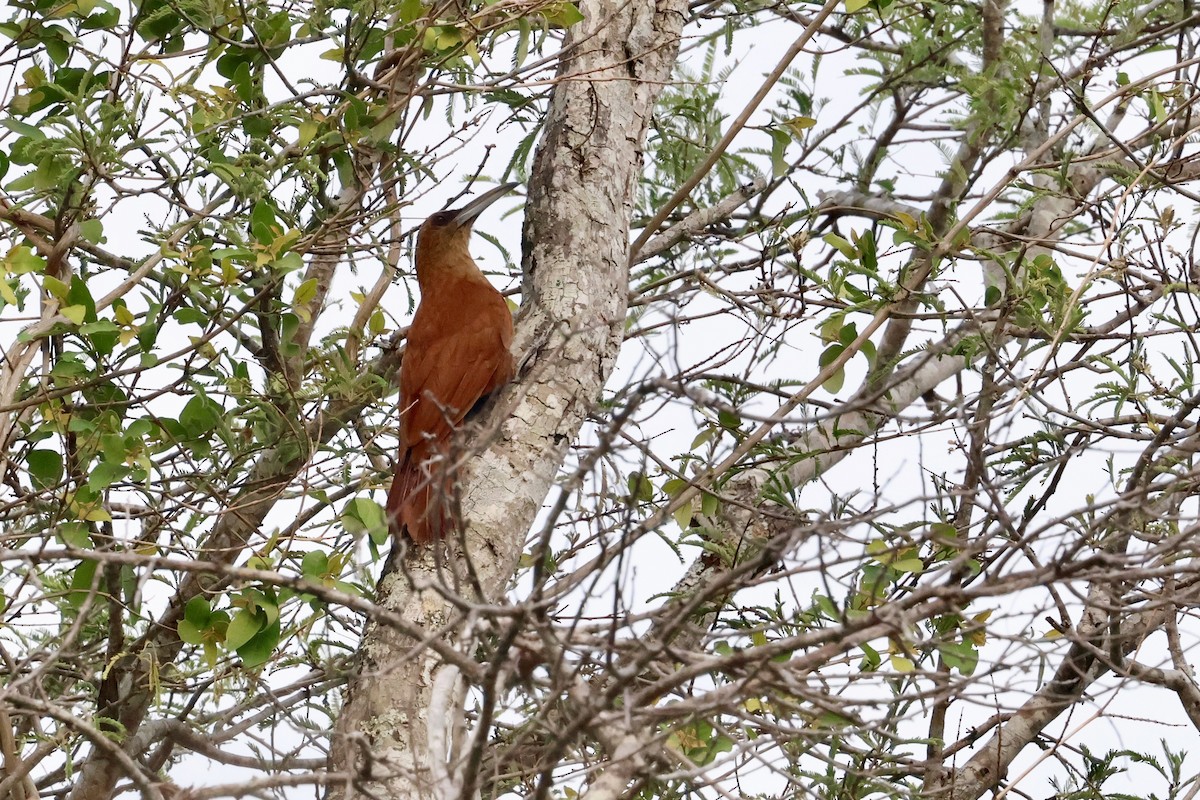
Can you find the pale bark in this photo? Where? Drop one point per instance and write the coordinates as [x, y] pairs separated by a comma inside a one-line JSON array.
[[576, 241]]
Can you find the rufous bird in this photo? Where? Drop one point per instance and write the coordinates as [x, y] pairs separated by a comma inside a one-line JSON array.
[[457, 355]]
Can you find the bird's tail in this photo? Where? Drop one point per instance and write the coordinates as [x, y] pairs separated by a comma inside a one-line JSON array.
[[416, 499]]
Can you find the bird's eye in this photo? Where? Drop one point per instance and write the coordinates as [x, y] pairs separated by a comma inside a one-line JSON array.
[[442, 218]]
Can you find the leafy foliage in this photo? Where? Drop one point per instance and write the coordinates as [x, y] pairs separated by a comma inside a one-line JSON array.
[[895, 473]]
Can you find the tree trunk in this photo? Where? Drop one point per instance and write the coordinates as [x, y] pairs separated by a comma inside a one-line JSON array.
[[401, 731]]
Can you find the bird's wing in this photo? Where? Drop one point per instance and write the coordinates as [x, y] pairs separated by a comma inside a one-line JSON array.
[[450, 363]]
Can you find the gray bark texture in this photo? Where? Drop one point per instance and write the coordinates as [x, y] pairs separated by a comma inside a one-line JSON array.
[[400, 731]]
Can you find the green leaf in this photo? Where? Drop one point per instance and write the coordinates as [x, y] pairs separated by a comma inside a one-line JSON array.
[[363, 515], [75, 534], [410, 11], [524, 30], [45, 468], [189, 633], [304, 294], [1156, 106], [780, 139], [92, 230], [720, 744], [191, 316], [23, 183], [200, 415], [871, 658], [673, 487], [262, 223], [350, 588], [24, 129], [198, 612], [76, 314], [868, 352], [315, 565], [562, 15], [378, 323], [832, 719], [307, 130], [961, 656], [877, 547], [21, 260], [58, 50], [834, 382], [943, 530], [843, 246], [640, 488], [796, 126], [102, 20], [848, 334], [79, 295], [244, 626], [81, 582], [244, 83], [277, 31], [105, 474], [259, 649], [55, 287], [288, 262], [683, 516], [99, 326]]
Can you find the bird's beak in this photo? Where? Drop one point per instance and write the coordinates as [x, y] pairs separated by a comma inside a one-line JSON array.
[[463, 217]]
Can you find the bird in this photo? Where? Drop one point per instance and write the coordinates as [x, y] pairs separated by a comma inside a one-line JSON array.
[[457, 355]]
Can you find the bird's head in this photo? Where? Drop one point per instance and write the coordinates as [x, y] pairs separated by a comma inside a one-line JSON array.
[[443, 238]]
